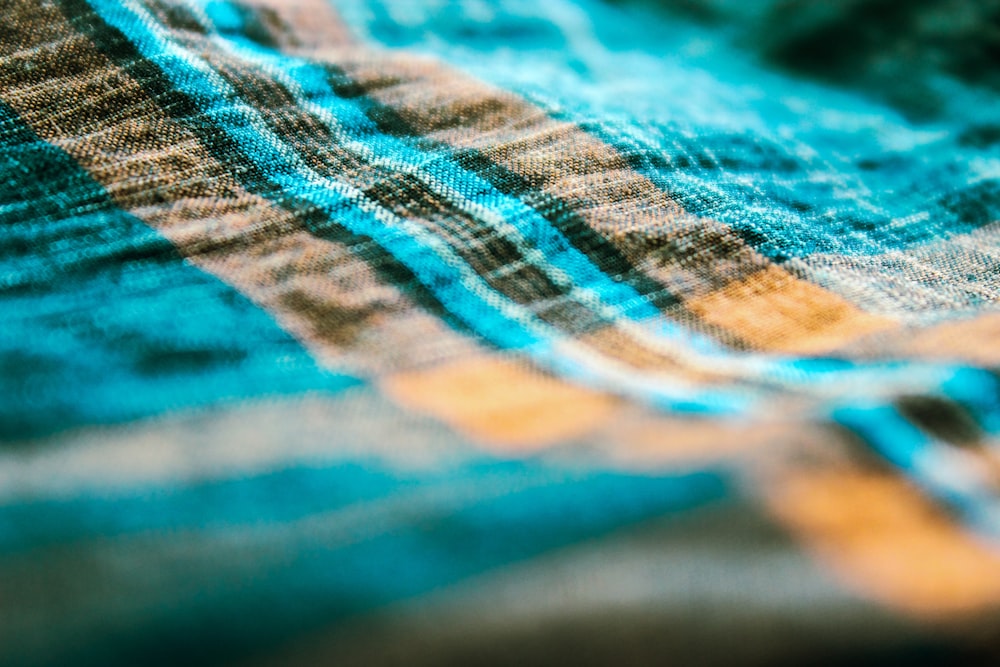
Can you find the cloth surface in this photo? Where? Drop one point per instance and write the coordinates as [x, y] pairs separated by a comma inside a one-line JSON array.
[[467, 332]]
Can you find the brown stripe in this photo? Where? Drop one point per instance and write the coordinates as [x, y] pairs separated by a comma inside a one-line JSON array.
[[692, 258], [969, 341], [555, 157], [621, 206], [499, 262]]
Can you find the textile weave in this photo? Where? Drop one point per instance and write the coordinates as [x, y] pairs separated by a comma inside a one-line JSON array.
[[489, 332]]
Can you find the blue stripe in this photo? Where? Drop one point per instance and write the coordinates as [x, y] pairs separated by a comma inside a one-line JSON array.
[[795, 166], [558, 252], [315, 577], [979, 391], [441, 270]]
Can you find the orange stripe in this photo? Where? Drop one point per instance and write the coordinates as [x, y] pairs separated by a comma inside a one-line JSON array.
[[889, 543], [771, 310], [503, 403]]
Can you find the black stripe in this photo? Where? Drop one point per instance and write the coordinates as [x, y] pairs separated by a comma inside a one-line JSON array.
[[605, 255], [558, 212], [942, 418]]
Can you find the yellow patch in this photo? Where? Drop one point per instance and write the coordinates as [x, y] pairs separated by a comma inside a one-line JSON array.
[[656, 441], [880, 535], [502, 403], [775, 311]]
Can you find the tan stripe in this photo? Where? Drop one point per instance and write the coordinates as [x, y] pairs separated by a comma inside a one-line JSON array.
[[622, 206], [643, 440], [499, 262], [613, 343], [473, 238], [317, 290], [975, 341], [695, 259], [888, 542]]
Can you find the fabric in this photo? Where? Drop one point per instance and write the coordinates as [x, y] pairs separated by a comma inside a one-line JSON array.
[[371, 332]]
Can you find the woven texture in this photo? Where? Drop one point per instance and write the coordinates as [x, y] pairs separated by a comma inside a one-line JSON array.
[[525, 332]]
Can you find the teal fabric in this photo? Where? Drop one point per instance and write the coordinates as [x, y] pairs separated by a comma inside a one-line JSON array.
[[375, 332]]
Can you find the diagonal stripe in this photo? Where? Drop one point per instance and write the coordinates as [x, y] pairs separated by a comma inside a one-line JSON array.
[[315, 287], [775, 309], [421, 177], [817, 304], [952, 476], [412, 197]]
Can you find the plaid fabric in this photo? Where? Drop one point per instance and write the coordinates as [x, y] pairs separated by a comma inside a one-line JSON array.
[[466, 332]]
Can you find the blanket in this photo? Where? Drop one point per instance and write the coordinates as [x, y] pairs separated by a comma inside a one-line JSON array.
[[425, 332]]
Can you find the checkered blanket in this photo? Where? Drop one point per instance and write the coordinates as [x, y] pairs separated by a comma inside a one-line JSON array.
[[428, 332]]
